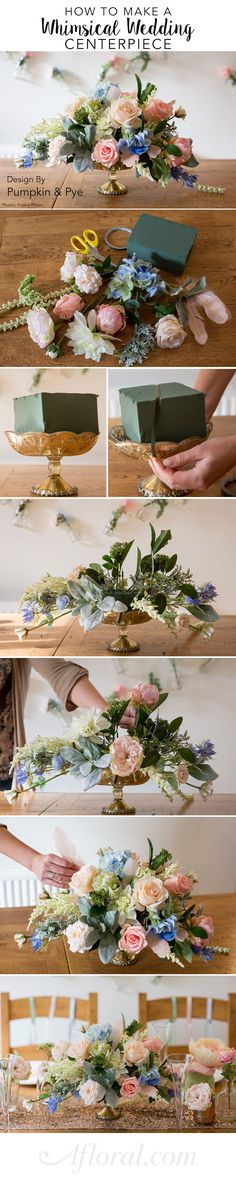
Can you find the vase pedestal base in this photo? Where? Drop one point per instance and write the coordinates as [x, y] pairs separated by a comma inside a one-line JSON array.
[[118, 807], [112, 188], [54, 486], [123, 644], [108, 1114]]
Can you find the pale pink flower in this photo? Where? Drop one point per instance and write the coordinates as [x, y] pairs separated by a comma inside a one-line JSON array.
[[87, 279], [145, 694], [41, 326], [125, 111], [169, 332], [54, 147], [60, 1050], [106, 153], [224, 72], [82, 881], [207, 924], [129, 1087], [67, 305], [153, 1044], [198, 1097], [185, 147], [182, 772], [206, 1050], [110, 318], [21, 1069], [178, 884], [155, 110], [135, 1052], [79, 1050], [133, 940], [126, 756], [226, 1056]]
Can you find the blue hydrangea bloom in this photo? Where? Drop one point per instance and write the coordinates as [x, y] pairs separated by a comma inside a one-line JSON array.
[[137, 144], [165, 928], [151, 1078], [100, 91], [36, 941], [62, 601], [99, 1032], [114, 861]]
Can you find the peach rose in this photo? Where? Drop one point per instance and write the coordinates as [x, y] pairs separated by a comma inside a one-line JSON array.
[[224, 72], [182, 772], [129, 1088], [185, 147], [178, 884], [79, 1050], [110, 318], [145, 694], [126, 756], [133, 940], [149, 893], [82, 882], [135, 1052], [67, 305], [207, 1050], [125, 112], [155, 110], [169, 332], [105, 153]]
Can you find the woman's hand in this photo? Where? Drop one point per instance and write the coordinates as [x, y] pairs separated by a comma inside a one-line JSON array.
[[206, 463], [53, 870]]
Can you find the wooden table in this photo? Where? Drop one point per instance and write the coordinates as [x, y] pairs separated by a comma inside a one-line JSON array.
[[89, 803], [66, 638], [58, 960], [67, 190], [18, 479], [124, 473], [30, 242]]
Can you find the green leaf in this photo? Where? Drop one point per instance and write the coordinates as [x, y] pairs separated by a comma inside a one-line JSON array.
[[162, 540], [184, 950], [150, 845], [160, 603], [139, 87], [107, 948], [83, 162], [174, 725], [172, 150], [192, 163], [161, 859], [186, 754], [199, 932], [187, 588]]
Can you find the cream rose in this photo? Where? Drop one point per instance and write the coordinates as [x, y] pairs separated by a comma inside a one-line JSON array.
[[82, 882], [207, 1050], [125, 112], [76, 934], [135, 1053], [169, 333], [79, 1050], [149, 893]]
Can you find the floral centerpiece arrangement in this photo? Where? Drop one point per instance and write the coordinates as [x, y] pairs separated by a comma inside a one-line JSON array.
[[93, 327], [116, 130], [106, 1066], [123, 906], [207, 1058], [96, 750], [100, 593]]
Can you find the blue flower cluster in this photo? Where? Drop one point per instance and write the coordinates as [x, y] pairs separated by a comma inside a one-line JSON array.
[[204, 750], [151, 1078], [205, 594], [36, 941], [99, 1032], [140, 274], [114, 860], [188, 178], [62, 601], [137, 144], [27, 612], [53, 1102], [165, 928]]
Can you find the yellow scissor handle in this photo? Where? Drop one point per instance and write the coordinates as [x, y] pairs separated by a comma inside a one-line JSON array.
[[89, 240]]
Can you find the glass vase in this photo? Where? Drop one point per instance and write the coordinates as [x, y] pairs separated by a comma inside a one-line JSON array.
[[9, 1090]]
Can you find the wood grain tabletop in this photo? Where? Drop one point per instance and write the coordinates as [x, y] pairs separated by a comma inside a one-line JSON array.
[[124, 473], [59, 959], [62, 188], [91, 803], [19, 479], [67, 638], [37, 244]]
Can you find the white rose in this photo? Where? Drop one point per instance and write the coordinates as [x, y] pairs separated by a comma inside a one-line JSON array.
[[41, 326], [87, 279], [54, 150], [20, 1068], [76, 935], [91, 1092], [149, 893]]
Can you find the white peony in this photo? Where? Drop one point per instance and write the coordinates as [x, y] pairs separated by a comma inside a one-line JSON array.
[[54, 150], [85, 342], [60, 1050], [87, 279], [76, 935], [70, 263], [41, 326], [87, 722], [91, 1092]]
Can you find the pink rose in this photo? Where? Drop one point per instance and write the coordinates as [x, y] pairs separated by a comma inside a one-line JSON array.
[[133, 940], [153, 1044], [224, 72], [110, 318], [178, 884], [129, 1088], [185, 147], [155, 110], [207, 924], [67, 305], [126, 756], [145, 694], [106, 153], [226, 1056]]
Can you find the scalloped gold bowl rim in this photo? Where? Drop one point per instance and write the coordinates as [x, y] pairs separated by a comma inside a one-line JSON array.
[[53, 446], [144, 450]]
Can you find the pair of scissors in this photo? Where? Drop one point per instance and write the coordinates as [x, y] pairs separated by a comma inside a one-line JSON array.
[[86, 244]]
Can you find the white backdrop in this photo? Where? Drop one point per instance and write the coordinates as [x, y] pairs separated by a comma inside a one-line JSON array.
[[18, 383], [203, 539], [190, 78], [116, 381], [203, 693], [205, 846]]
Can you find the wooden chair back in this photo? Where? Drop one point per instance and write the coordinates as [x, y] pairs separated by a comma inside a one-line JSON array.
[[162, 1009], [19, 1009]]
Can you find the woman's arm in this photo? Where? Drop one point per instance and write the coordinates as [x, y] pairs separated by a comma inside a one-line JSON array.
[[84, 695], [50, 869], [213, 382]]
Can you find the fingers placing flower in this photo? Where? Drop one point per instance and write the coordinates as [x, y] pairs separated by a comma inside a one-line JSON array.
[[198, 1097], [178, 884], [169, 332], [129, 1087], [149, 893], [125, 111], [106, 153], [66, 306], [133, 940], [126, 756], [135, 1052], [87, 279], [155, 110], [110, 319], [91, 1092], [41, 326], [82, 882]]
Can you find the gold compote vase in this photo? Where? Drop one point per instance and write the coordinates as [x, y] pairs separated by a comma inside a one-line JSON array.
[[117, 785], [151, 485], [123, 644], [53, 447]]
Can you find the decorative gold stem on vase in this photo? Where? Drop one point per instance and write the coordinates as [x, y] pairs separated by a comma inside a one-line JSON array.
[[108, 1113], [112, 187]]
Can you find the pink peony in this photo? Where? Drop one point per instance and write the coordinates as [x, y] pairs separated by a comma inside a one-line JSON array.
[[129, 1088], [198, 1097], [185, 147], [155, 110], [226, 1056], [105, 153], [153, 1044], [145, 694], [133, 940], [126, 756], [66, 306], [178, 884], [110, 318]]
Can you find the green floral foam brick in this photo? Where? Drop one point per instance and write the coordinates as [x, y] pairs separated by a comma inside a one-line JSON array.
[[165, 243], [159, 413], [50, 412]]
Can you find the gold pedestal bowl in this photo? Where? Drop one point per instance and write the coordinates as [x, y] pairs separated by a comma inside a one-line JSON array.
[[117, 785], [130, 618], [152, 486], [53, 447], [112, 186]]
